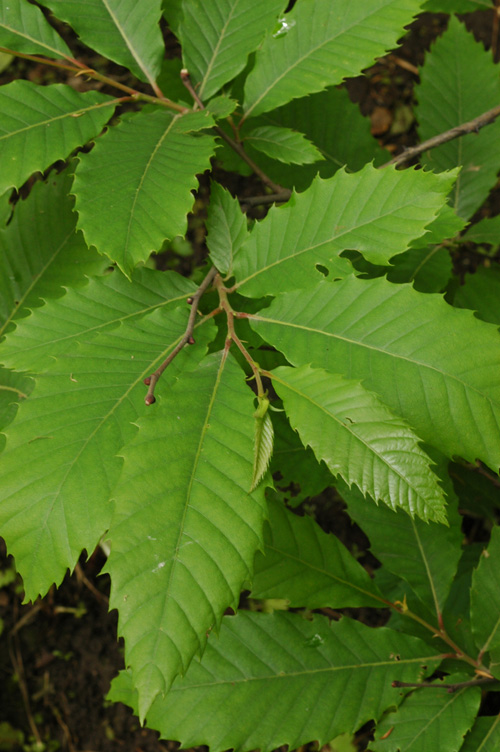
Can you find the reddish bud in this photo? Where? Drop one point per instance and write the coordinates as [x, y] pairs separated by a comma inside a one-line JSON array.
[[191, 341], [190, 301], [147, 380], [150, 399]]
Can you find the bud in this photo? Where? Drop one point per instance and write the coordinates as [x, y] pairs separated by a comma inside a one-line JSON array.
[[191, 341], [190, 301], [147, 380], [150, 399]]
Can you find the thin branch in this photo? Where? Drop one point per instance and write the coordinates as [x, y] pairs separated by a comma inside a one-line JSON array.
[[235, 145], [271, 198], [187, 337], [473, 126], [450, 687], [81, 70]]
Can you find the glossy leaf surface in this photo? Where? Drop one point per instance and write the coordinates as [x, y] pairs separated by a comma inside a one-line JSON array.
[[358, 438], [319, 44]]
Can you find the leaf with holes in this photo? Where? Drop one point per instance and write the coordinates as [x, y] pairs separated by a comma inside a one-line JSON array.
[[377, 212]]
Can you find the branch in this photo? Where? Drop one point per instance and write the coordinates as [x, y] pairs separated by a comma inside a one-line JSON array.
[[79, 70], [271, 198], [187, 337], [235, 145], [473, 126], [450, 687]]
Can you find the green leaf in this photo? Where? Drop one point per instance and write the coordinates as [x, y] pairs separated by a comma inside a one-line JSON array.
[[300, 473], [127, 32], [485, 231], [183, 541], [485, 597], [408, 348], [40, 124], [264, 668], [23, 28], [456, 614], [283, 144], [14, 387], [157, 157], [84, 312], [264, 438], [429, 714], [60, 462], [308, 567], [351, 430], [217, 38], [40, 251], [424, 555], [377, 212], [320, 44], [456, 6], [459, 81], [427, 263], [172, 10], [335, 126], [5, 208], [226, 228], [484, 736], [481, 293]]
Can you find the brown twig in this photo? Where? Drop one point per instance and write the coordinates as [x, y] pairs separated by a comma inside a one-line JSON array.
[[80, 70], [473, 126], [235, 145], [187, 337], [450, 687]]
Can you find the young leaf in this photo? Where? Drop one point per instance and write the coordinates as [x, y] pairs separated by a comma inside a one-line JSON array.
[[82, 313], [352, 430], [485, 597], [40, 251], [320, 44], [23, 28], [308, 567], [283, 144], [263, 445], [423, 555], [127, 32], [226, 228], [377, 212], [40, 124], [185, 532], [60, 462], [429, 714], [459, 82], [217, 38], [408, 348], [265, 667], [157, 157]]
